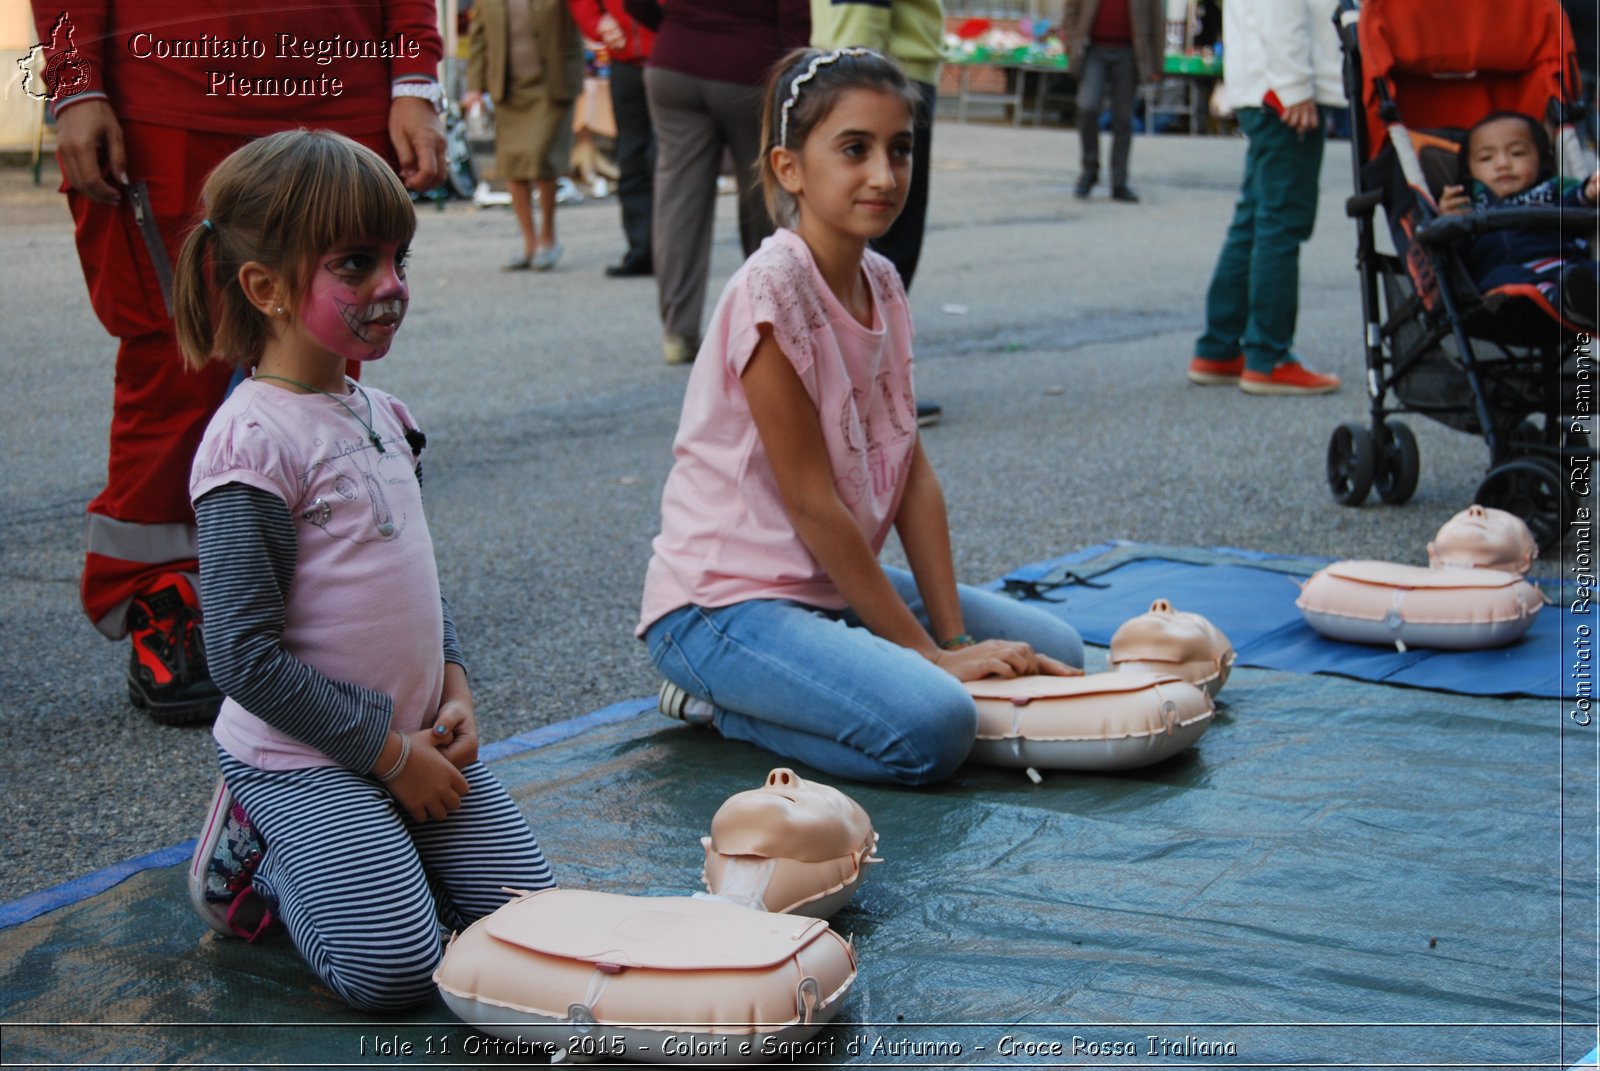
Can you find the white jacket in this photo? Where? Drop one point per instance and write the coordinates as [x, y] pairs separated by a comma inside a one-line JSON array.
[[1287, 46]]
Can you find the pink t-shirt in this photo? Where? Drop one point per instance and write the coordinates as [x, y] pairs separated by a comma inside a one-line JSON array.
[[364, 603], [725, 534]]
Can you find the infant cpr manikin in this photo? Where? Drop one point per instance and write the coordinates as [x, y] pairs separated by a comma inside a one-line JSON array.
[[1482, 537], [1473, 595], [1102, 721], [744, 973], [791, 845], [1167, 640], [663, 979]]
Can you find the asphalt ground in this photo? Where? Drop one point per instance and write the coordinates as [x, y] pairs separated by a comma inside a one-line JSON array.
[[1054, 332]]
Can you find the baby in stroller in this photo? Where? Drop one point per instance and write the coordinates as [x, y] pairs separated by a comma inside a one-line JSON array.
[[1507, 162]]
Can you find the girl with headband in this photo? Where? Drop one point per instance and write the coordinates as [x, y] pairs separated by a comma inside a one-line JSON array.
[[765, 605]]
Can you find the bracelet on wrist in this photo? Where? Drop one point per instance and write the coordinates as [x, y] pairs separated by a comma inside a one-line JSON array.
[[955, 643], [400, 763]]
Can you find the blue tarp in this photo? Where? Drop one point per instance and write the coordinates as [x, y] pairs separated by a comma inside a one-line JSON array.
[[1250, 597]]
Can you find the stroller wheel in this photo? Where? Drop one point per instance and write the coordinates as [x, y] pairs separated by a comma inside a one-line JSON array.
[[1530, 488], [1352, 463], [1550, 440], [1398, 463]]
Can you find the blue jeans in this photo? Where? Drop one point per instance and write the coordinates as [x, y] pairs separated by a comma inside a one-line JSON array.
[[818, 687]]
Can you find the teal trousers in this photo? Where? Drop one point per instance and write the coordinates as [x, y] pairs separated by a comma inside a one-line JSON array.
[[1255, 289]]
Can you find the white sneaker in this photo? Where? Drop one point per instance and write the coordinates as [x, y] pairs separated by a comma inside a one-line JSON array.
[[484, 197], [567, 192], [675, 349], [674, 702]]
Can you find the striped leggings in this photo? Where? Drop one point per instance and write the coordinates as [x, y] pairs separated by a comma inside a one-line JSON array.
[[362, 889]]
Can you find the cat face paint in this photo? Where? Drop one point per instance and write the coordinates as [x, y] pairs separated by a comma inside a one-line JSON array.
[[356, 299]]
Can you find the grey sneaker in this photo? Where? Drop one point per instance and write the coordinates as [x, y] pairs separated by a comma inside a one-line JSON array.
[[546, 258]]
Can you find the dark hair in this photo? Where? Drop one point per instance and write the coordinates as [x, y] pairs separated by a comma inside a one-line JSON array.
[[824, 76], [1536, 133], [281, 201]]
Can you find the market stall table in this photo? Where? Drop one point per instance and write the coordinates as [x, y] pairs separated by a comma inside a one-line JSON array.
[[1191, 70]]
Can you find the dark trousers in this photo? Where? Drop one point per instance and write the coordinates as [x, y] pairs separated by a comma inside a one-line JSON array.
[[696, 120], [636, 158], [902, 242], [1254, 296], [1107, 68]]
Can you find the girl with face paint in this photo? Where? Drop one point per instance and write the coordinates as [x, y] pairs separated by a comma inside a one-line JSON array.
[[299, 264], [347, 738], [353, 306]]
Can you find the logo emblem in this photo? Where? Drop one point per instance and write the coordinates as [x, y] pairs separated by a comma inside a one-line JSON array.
[[64, 73]]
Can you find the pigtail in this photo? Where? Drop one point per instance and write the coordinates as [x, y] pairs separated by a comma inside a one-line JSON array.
[[214, 321], [192, 299]]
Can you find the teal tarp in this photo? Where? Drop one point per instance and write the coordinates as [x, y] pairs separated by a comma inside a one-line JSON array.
[[1340, 874]]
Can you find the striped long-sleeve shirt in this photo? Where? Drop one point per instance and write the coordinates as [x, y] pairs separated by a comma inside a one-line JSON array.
[[247, 564]]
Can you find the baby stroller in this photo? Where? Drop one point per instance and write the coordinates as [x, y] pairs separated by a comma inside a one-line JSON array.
[[1502, 364]]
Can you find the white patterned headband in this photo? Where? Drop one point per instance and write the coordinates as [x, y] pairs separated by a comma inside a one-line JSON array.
[[820, 60]]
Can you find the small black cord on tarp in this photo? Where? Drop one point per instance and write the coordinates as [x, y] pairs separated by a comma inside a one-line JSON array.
[[1040, 589]]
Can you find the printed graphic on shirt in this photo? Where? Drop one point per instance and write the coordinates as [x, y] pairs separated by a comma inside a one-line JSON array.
[[344, 490], [867, 430]]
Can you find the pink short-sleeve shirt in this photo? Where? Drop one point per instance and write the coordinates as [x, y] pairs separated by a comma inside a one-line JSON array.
[[364, 604], [725, 534]]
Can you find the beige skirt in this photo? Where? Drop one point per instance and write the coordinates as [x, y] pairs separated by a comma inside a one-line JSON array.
[[532, 135]]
